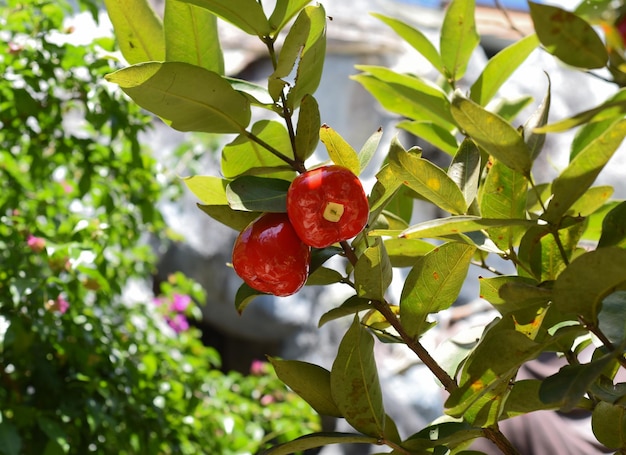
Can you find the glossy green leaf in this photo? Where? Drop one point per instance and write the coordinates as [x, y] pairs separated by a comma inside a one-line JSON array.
[[244, 296], [10, 439], [236, 219], [350, 307], [284, 11], [568, 37], [465, 170], [503, 195], [354, 382], [386, 186], [189, 97], [459, 38], [404, 252], [591, 201], [373, 272], [432, 133], [524, 399], [324, 276], [428, 180], [570, 384], [614, 227], [339, 151], [509, 109], [612, 317], [209, 189], [611, 109], [244, 156], [191, 36], [254, 93], [310, 381], [407, 95], [487, 372], [138, 29], [246, 15], [433, 284], [490, 290], [541, 253], [315, 440], [308, 128], [306, 42], [500, 68], [415, 38], [442, 434], [442, 227], [492, 133], [582, 171], [608, 423], [369, 149], [587, 280], [539, 118], [258, 194]]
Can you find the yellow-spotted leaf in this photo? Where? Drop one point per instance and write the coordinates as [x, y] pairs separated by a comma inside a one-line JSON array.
[[459, 38], [339, 151]]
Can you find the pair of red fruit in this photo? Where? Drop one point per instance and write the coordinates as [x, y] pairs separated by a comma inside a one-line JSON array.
[[324, 206]]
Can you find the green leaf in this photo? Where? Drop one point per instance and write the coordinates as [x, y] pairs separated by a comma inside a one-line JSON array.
[[448, 434], [442, 227], [386, 186], [407, 95], [492, 133], [568, 37], [591, 201], [582, 286], [138, 30], [189, 97], [244, 156], [614, 227], [245, 295], [541, 253], [191, 36], [305, 41], [354, 382], [209, 189], [539, 118], [369, 149], [258, 194], [10, 439], [459, 38], [308, 129], [324, 276], [310, 381], [415, 38], [428, 180], [570, 384], [432, 133], [524, 399], [353, 305], [608, 422], [612, 317], [491, 290], [433, 284], [339, 151], [235, 219], [373, 272], [503, 196], [465, 169], [582, 171], [404, 252], [314, 440], [283, 12], [500, 68], [611, 109], [246, 15]]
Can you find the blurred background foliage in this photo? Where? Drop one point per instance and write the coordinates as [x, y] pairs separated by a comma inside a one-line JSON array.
[[85, 368]]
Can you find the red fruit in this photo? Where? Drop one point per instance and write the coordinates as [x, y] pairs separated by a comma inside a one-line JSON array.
[[270, 257], [327, 205]]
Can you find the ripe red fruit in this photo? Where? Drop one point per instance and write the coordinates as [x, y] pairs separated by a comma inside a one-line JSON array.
[[270, 257], [327, 205]]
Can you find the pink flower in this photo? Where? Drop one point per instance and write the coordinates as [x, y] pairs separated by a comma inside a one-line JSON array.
[[60, 305], [257, 368], [180, 303], [266, 400], [36, 244], [178, 323]]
